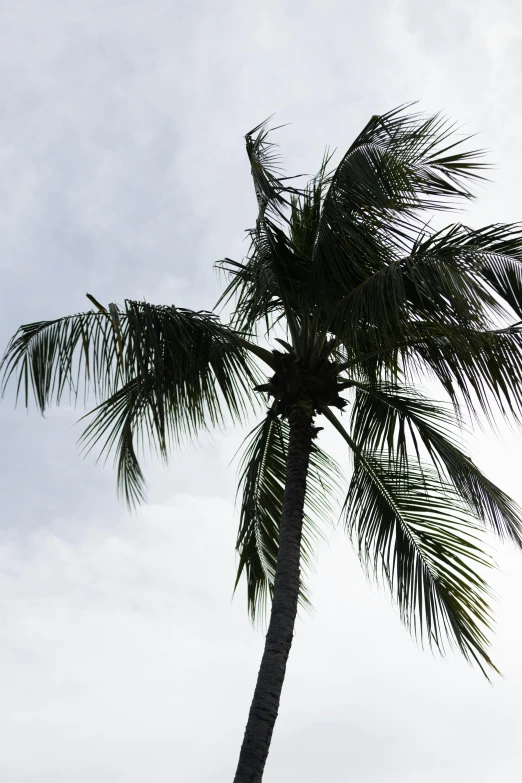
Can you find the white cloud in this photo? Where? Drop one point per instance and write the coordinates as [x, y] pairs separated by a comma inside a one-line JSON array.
[[122, 656]]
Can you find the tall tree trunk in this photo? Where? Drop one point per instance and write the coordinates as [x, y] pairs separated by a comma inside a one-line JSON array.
[[265, 703]]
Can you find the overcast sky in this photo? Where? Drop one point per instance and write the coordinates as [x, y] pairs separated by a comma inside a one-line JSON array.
[[123, 173]]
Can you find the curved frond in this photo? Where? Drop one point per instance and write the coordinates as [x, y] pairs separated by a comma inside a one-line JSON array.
[[163, 373], [402, 161], [455, 278], [401, 421], [492, 253], [411, 530], [66, 355], [262, 482], [270, 186], [399, 165], [121, 423], [266, 284], [482, 368]]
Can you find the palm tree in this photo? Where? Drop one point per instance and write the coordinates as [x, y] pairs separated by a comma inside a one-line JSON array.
[[367, 299]]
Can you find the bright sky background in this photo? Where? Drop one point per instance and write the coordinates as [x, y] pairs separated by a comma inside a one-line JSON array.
[[123, 173]]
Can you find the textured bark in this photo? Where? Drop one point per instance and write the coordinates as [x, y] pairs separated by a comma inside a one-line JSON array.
[[265, 703]]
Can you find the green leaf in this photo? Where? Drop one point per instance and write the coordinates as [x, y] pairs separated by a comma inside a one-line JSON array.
[[401, 421], [265, 165], [65, 355], [400, 165], [268, 284], [447, 278], [162, 372], [480, 368], [412, 530]]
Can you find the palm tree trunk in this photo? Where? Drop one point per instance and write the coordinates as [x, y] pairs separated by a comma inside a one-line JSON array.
[[265, 703]]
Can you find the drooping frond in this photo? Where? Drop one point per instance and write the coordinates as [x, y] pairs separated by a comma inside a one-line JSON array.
[[482, 368], [262, 483], [444, 309], [412, 530], [66, 355], [120, 424], [161, 371], [403, 423]]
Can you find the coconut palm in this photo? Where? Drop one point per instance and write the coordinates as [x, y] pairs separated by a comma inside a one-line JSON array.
[[347, 300]]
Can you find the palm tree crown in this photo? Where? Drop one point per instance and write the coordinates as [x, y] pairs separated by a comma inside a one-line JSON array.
[[366, 300]]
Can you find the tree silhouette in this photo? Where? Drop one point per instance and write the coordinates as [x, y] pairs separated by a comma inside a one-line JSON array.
[[364, 300]]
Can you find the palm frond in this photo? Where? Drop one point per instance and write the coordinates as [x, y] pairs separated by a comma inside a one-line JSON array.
[[163, 371], [400, 165], [65, 355], [456, 277], [306, 209], [262, 483], [253, 290], [478, 368], [399, 420], [121, 423], [271, 187], [493, 254], [405, 161], [385, 310], [413, 531], [266, 284]]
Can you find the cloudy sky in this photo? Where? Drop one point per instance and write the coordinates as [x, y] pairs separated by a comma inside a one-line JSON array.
[[123, 173]]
